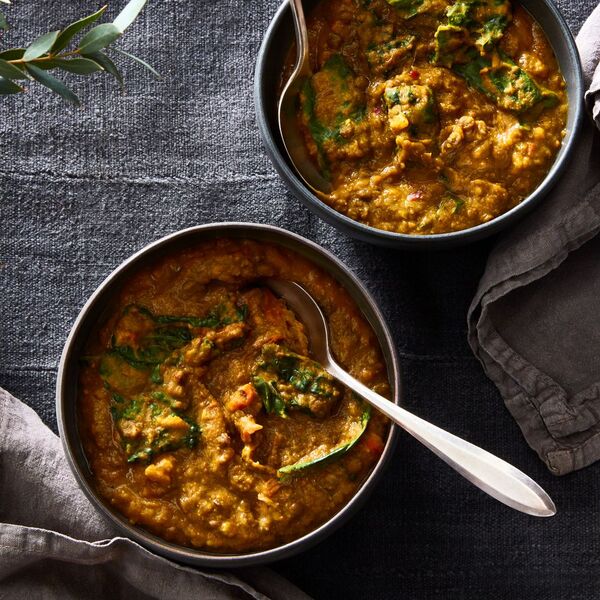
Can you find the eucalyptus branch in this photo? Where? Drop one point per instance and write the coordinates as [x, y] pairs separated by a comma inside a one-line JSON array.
[[50, 51]]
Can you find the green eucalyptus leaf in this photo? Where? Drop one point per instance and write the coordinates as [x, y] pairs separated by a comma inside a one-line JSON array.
[[9, 87], [128, 15], [3, 22], [45, 64], [40, 46], [9, 71], [81, 66], [12, 54], [67, 34], [140, 61], [52, 83], [99, 37], [108, 65]]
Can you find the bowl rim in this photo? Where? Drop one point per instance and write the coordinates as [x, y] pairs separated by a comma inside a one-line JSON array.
[[66, 402], [374, 235]]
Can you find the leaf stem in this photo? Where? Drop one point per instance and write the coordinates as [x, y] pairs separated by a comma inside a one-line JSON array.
[[20, 61]]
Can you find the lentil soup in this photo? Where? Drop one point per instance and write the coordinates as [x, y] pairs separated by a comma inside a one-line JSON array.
[[203, 417], [430, 116]]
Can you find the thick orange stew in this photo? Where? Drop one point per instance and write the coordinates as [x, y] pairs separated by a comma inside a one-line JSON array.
[[430, 116], [204, 418]]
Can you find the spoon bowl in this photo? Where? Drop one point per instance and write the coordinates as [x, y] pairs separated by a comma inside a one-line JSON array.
[[489, 473], [287, 112]]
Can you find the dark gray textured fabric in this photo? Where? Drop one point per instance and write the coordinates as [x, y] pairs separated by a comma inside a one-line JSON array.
[[534, 320], [80, 190]]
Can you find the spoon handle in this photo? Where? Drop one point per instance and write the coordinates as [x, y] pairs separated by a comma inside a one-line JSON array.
[[488, 472], [301, 31]]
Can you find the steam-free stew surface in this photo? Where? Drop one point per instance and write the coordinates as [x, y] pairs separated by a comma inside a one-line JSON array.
[[204, 418], [430, 116]]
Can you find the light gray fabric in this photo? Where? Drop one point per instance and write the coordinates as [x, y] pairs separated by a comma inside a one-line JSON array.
[[534, 320], [54, 545]]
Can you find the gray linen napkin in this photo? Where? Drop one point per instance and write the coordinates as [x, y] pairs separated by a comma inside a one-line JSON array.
[[534, 320], [54, 545]]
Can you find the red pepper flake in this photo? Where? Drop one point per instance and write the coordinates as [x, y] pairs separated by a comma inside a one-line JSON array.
[[414, 74], [373, 443], [414, 196]]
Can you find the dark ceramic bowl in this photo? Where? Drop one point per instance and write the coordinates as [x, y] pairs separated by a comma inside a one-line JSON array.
[[267, 79], [92, 313]]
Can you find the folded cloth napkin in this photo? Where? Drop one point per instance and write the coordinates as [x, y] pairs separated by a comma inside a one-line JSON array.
[[534, 320], [54, 545]]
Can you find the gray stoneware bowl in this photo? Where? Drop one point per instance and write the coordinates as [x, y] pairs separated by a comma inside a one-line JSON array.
[[92, 313], [267, 80]]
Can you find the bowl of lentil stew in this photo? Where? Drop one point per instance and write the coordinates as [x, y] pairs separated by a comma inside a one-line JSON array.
[[464, 120], [179, 407]]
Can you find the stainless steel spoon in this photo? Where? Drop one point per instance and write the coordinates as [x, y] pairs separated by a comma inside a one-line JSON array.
[[488, 472], [288, 109]]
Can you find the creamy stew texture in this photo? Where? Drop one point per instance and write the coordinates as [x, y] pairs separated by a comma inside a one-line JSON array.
[[430, 116], [202, 415]]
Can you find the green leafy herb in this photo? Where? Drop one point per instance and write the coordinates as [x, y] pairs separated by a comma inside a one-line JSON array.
[[408, 8], [491, 31], [298, 468], [451, 42], [383, 57], [287, 381], [223, 314], [482, 22], [319, 132], [120, 376], [155, 376], [451, 202], [271, 398], [144, 340], [416, 104], [459, 13], [155, 347], [50, 51], [509, 86], [467, 43], [323, 121], [516, 90], [472, 71], [149, 425]]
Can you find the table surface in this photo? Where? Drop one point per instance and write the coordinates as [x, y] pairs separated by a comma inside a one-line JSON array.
[[82, 189]]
